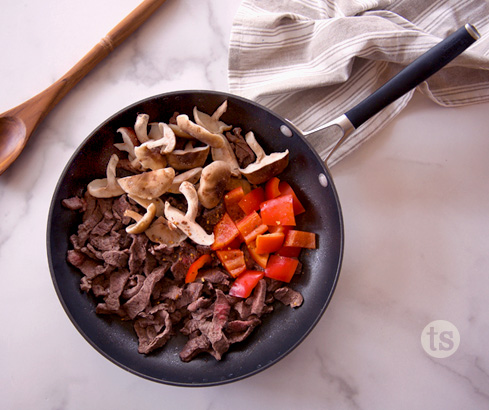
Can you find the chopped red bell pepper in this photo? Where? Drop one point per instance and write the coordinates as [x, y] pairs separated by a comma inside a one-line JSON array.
[[281, 267], [252, 200], [193, 270], [245, 283], [231, 200], [233, 261], [251, 226], [278, 211], [290, 251], [286, 189], [261, 259], [300, 239], [268, 243], [272, 188], [225, 232]]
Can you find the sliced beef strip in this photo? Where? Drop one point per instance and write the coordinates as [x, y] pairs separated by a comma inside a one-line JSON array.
[[153, 330], [89, 267], [191, 292], [239, 330], [244, 154], [258, 300], [194, 347], [115, 258], [105, 225], [133, 286], [289, 296], [75, 204], [117, 282], [137, 252], [140, 300]]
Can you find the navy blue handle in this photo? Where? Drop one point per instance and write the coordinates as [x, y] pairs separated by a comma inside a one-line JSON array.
[[414, 74]]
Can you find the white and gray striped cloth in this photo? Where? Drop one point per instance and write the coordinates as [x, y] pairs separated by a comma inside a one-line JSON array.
[[312, 60]]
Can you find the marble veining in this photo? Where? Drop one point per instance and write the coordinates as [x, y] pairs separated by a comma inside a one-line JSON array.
[[415, 202]]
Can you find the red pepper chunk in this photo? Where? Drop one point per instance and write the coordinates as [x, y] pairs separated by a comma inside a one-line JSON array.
[[278, 211], [225, 232], [245, 283], [252, 200], [268, 243], [193, 270], [251, 226], [300, 239], [272, 188], [260, 258], [281, 268], [286, 189], [233, 261], [231, 200]]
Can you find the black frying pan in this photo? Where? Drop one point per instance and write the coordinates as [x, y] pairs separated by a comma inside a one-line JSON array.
[[281, 331]]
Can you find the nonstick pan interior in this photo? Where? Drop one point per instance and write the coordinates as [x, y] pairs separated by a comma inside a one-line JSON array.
[[281, 331]]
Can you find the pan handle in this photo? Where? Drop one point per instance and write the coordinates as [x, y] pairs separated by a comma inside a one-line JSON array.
[[414, 74]]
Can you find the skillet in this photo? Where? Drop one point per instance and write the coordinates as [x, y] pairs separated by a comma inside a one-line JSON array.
[[285, 328]]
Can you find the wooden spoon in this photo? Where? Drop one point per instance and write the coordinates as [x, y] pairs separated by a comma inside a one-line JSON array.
[[18, 124]]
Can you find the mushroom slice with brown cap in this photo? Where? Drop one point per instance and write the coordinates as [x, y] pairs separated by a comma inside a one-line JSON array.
[[107, 187], [213, 181], [192, 176], [141, 127], [188, 158], [148, 185], [129, 142], [265, 166], [145, 203], [211, 122], [161, 233], [198, 132], [142, 222], [186, 221]]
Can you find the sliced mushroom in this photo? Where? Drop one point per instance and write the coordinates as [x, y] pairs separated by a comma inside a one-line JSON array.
[[198, 132], [211, 122], [160, 232], [186, 221], [129, 142], [189, 157], [150, 184], [178, 132], [213, 182], [149, 158], [145, 203], [141, 127], [164, 138], [226, 154], [107, 187], [142, 222], [191, 176], [265, 166]]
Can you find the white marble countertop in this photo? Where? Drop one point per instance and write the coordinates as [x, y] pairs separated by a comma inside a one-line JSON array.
[[415, 203]]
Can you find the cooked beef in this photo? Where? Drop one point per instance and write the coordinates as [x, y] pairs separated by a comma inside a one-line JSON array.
[[75, 204], [137, 252], [288, 296], [140, 300], [138, 280], [244, 154], [154, 329], [194, 347]]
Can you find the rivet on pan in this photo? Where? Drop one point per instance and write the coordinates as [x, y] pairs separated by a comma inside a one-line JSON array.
[[323, 180], [286, 131]]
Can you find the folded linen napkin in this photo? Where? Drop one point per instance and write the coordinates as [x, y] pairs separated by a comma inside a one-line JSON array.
[[312, 60]]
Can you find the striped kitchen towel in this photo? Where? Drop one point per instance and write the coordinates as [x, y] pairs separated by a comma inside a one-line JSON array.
[[312, 60]]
